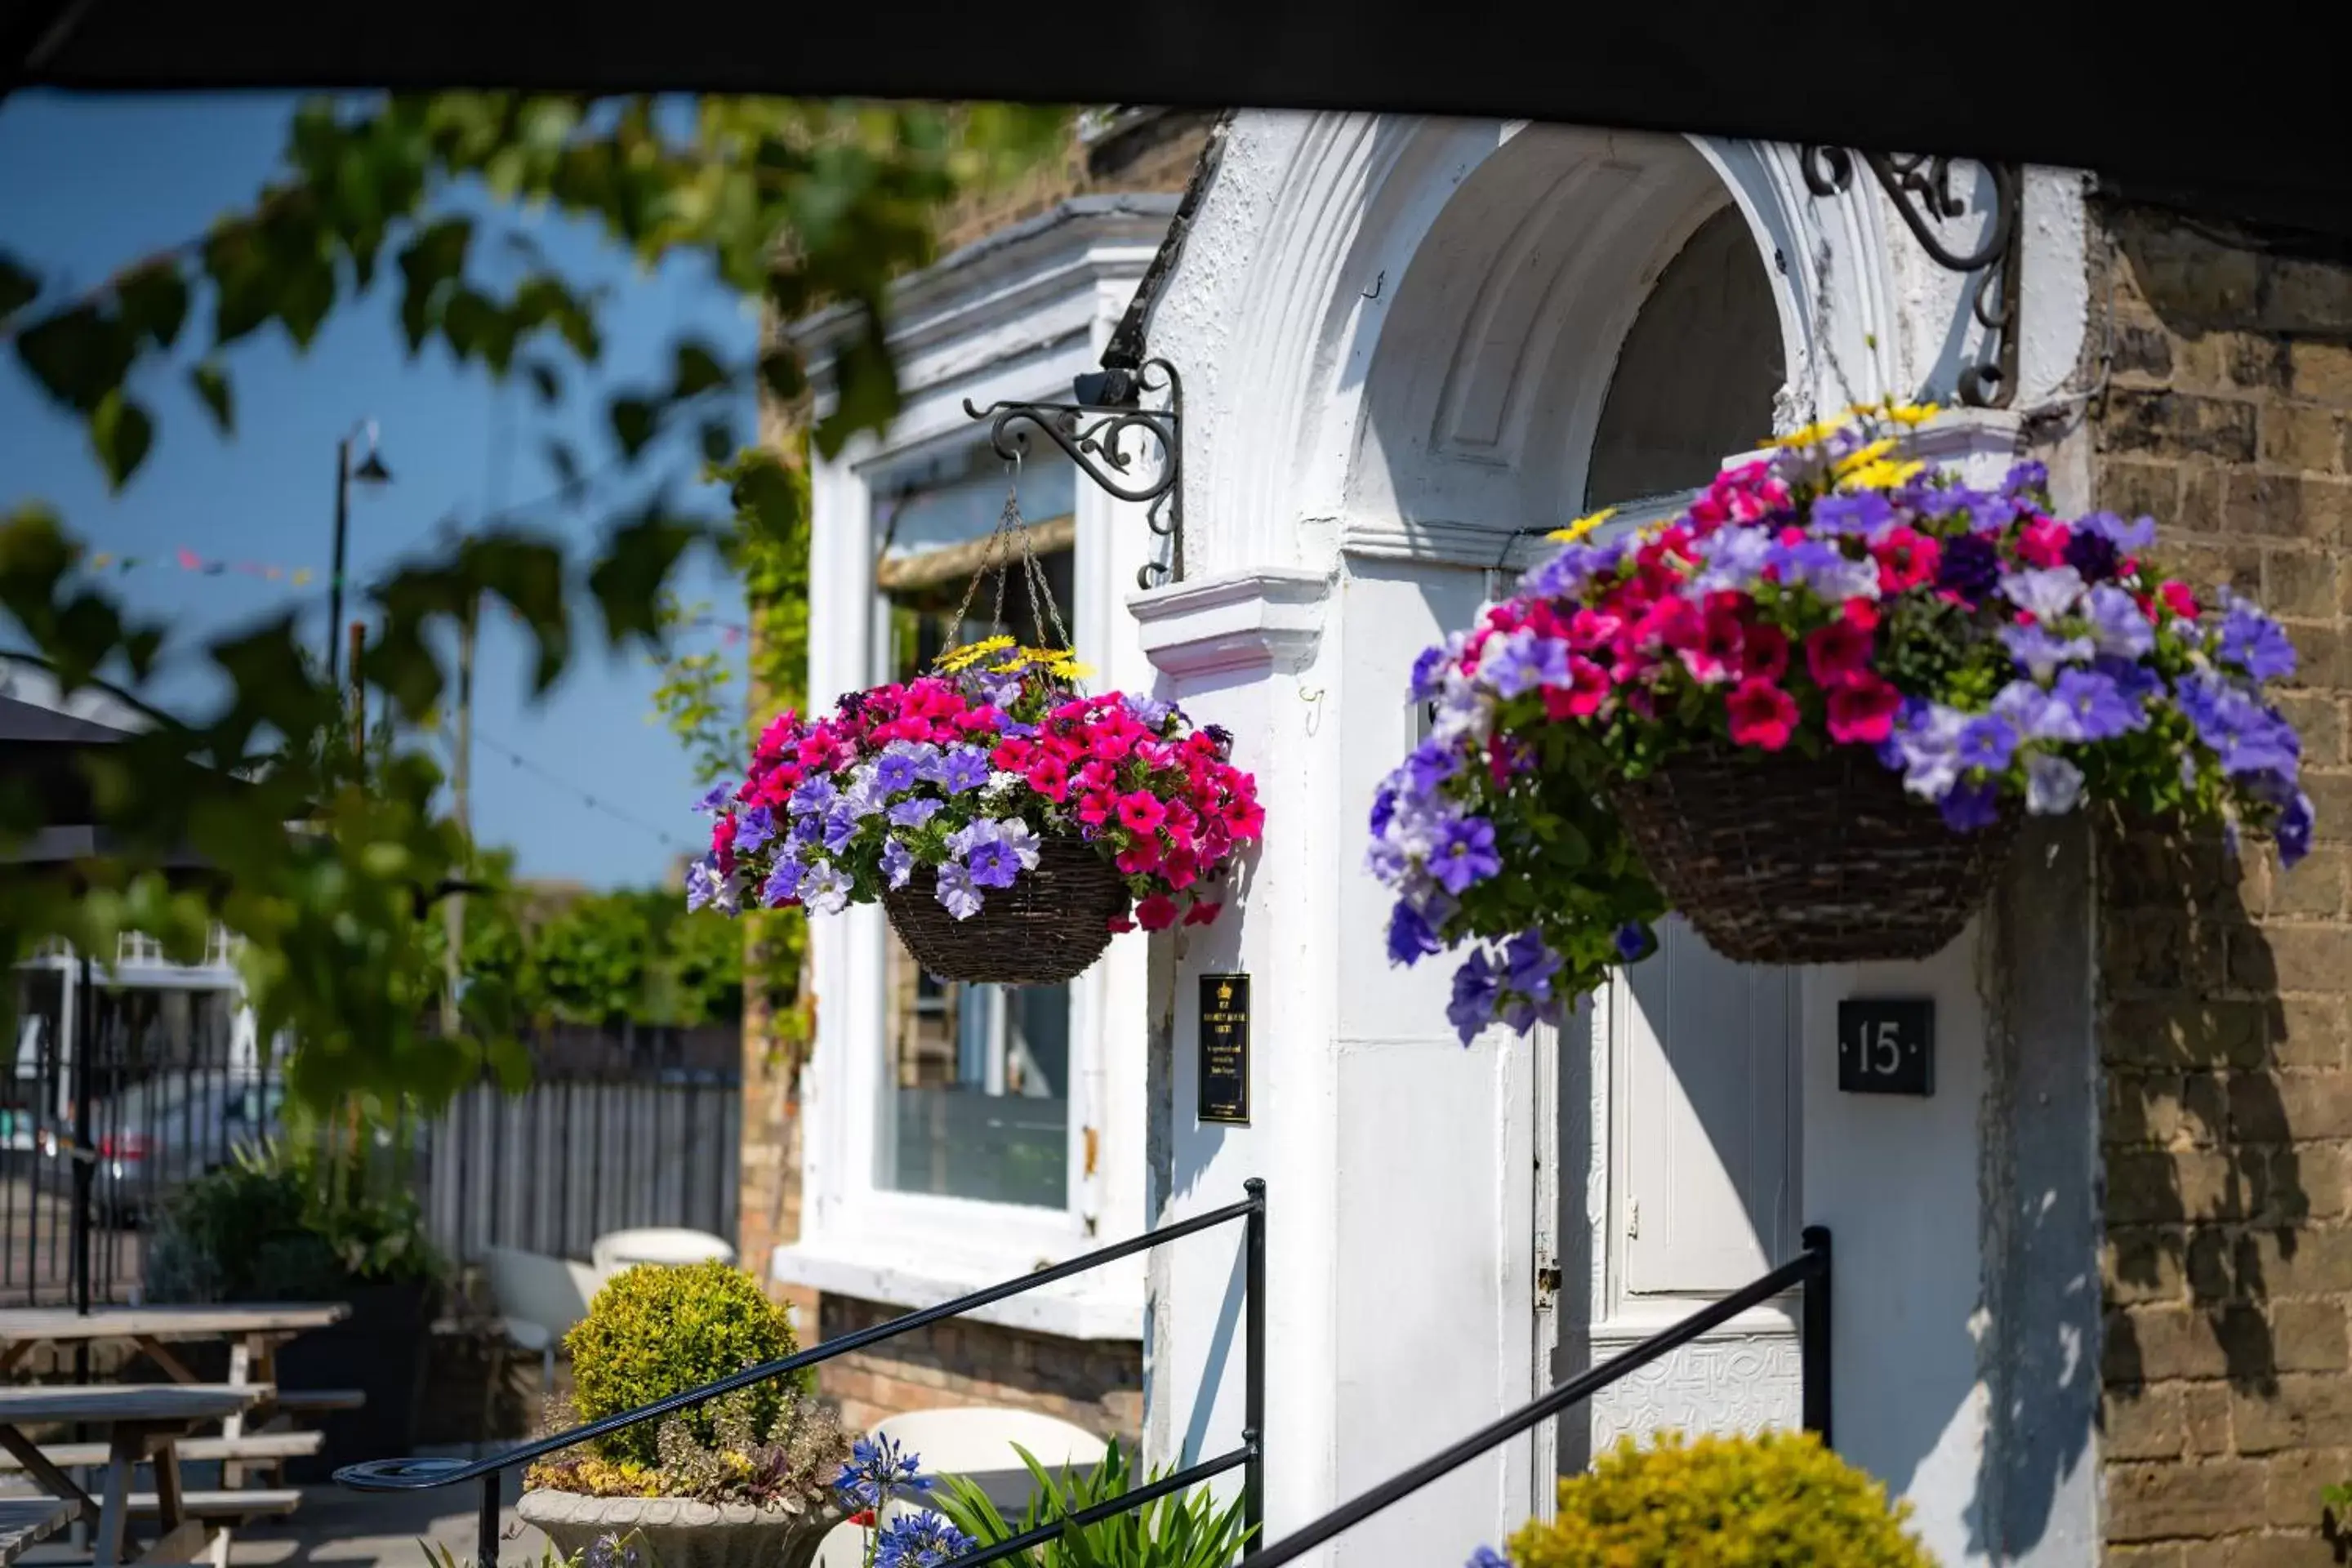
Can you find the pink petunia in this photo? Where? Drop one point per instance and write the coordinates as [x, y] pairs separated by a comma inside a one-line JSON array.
[[1141, 812], [1097, 807], [1713, 657], [1761, 715], [1180, 867], [1202, 911], [2178, 599], [2042, 543], [1143, 858], [1121, 923], [1244, 819], [1156, 912], [1906, 558], [1764, 654], [1862, 713], [1837, 654], [1584, 695], [1050, 776]]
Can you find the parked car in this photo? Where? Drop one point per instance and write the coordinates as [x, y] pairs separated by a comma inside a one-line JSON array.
[[162, 1133]]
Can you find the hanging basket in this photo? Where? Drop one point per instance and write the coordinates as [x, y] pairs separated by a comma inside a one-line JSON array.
[[1784, 859], [1052, 923]]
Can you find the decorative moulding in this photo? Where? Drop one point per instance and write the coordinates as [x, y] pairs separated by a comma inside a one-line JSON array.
[[1271, 617]]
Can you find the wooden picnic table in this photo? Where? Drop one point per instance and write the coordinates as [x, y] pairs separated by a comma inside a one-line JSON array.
[[255, 1329], [142, 1423]]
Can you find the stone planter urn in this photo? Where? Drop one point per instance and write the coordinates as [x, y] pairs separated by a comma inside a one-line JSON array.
[[681, 1533]]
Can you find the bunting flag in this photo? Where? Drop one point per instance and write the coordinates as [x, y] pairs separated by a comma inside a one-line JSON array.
[[187, 560]]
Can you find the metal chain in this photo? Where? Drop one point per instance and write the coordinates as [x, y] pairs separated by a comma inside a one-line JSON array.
[[1010, 531]]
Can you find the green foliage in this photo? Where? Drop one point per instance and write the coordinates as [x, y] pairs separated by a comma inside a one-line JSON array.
[[794, 203], [784, 1462], [279, 1224], [658, 1330], [1183, 1529], [1721, 1502]]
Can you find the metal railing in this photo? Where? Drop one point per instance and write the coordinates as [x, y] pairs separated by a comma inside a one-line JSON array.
[[422, 1474], [1809, 1271]]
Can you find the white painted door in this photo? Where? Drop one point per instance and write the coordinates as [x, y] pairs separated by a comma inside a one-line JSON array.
[[1671, 1180]]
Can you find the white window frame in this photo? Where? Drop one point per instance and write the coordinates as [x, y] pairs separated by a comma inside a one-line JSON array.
[[1015, 317]]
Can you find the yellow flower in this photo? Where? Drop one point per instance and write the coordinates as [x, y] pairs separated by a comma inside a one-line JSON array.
[[1883, 475], [1810, 435], [1069, 669], [1911, 413], [1862, 457], [1582, 526], [971, 654]]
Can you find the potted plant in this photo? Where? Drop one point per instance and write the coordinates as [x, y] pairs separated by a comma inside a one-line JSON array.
[[1182, 1530], [742, 1482], [1726, 1502], [315, 1219], [1008, 823], [1807, 713]]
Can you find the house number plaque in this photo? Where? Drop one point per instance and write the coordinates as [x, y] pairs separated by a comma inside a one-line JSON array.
[[1225, 1048], [1887, 1047]]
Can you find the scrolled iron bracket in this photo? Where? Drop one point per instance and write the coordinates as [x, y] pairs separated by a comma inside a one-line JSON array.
[[1091, 429], [1920, 187]]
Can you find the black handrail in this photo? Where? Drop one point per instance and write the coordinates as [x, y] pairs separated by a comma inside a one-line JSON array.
[[424, 1474], [1809, 1269]]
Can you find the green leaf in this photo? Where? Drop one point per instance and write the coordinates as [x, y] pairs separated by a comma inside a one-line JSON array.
[[634, 423], [78, 356], [566, 464], [121, 433], [781, 374], [153, 302], [546, 382], [629, 581], [18, 286], [212, 384], [698, 370], [717, 440]]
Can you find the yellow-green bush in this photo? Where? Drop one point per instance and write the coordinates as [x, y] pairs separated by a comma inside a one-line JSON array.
[[1766, 1501], [660, 1330]]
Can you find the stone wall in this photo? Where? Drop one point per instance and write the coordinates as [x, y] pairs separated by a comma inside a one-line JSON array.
[[2228, 1267], [1098, 1386]]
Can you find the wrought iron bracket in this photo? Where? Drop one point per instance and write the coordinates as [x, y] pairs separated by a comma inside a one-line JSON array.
[[1107, 404], [1920, 187]]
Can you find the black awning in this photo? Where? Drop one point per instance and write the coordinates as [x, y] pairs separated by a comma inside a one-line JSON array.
[[2240, 121]]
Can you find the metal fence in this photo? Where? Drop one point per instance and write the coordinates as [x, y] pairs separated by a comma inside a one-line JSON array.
[[130, 1082]]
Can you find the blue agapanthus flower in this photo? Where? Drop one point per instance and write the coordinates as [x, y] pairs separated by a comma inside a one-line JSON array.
[[878, 1470], [920, 1541]]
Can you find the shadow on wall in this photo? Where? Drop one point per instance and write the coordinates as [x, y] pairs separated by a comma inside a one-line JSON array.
[[2206, 1194]]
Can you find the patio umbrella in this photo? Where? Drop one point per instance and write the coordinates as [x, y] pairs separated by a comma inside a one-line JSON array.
[[2229, 122]]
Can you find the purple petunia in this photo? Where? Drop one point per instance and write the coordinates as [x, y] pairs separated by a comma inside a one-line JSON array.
[[1430, 764], [1634, 942], [897, 768], [2045, 593], [1864, 512], [1971, 567], [2293, 830], [1522, 661], [808, 830], [963, 769], [2118, 627], [814, 796], [2039, 651], [1429, 672], [1988, 742], [715, 800], [1384, 800], [783, 883], [1411, 937], [824, 889], [1734, 559], [2136, 535], [1465, 853], [2254, 643], [914, 813], [1149, 711], [754, 828], [1476, 986], [2100, 709], [2091, 554], [2026, 478], [840, 827], [956, 892], [992, 864], [1971, 808], [2052, 785], [898, 864]]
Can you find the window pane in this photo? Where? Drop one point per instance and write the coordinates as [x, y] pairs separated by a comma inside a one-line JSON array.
[[978, 1105]]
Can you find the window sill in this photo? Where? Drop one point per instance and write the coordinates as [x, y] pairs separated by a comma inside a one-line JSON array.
[[1104, 1304]]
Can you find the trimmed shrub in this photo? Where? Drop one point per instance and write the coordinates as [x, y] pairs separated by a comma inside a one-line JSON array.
[[662, 1329], [1764, 1501]]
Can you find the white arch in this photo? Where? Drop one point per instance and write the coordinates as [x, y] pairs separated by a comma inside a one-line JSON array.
[[1398, 330]]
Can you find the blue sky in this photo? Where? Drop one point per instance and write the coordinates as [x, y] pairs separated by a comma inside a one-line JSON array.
[[90, 183]]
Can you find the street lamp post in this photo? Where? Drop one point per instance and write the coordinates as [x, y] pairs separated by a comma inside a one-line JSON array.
[[369, 471]]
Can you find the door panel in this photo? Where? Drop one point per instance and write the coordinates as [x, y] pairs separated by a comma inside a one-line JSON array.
[[1708, 1114]]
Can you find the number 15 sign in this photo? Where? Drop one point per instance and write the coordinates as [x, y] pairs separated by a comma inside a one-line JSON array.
[[1887, 1047]]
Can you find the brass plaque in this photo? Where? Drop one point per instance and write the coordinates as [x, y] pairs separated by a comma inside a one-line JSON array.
[[1225, 1049]]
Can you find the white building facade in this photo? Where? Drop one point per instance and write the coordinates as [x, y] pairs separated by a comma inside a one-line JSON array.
[[1410, 347]]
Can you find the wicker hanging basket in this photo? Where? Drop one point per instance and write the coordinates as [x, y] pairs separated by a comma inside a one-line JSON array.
[[1048, 926], [1793, 859]]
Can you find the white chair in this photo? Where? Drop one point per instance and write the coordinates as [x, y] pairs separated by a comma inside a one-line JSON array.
[[621, 1249], [978, 1445], [538, 1299]]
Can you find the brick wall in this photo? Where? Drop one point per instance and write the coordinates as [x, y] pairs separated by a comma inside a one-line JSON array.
[[2229, 1099], [1097, 1386]]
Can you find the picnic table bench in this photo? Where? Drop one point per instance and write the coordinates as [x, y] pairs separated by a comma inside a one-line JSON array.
[[142, 1422]]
